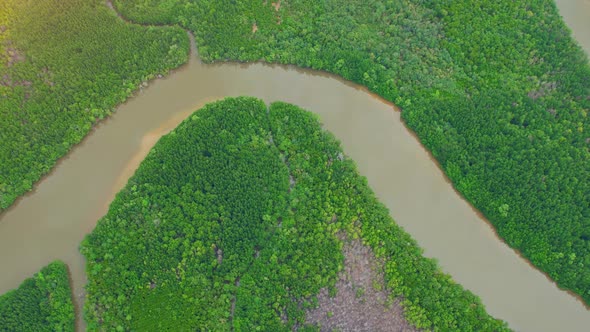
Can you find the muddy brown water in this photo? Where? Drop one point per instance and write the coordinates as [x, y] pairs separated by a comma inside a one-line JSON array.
[[50, 222], [576, 14]]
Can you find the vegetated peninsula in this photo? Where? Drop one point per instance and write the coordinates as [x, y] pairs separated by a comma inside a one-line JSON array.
[[65, 64], [239, 217], [498, 91], [41, 303]]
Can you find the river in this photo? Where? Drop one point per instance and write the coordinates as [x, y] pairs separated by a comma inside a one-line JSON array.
[[576, 14], [50, 222]]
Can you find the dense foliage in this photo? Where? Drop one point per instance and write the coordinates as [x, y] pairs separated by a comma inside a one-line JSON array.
[[497, 90], [65, 64], [41, 303], [234, 221]]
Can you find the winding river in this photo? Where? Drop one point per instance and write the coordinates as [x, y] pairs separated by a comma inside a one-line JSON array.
[[50, 222]]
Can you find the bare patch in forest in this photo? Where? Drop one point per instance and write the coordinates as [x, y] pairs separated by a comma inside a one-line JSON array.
[[361, 302], [47, 76], [544, 89], [277, 5], [7, 81], [13, 55]]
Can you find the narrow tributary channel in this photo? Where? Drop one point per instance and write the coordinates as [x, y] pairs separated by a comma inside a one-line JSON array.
[[50, 222]]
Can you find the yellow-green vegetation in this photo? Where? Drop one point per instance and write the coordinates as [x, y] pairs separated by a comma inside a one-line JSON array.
[[41, 303], [65, 64], [233, 222], [498, 91]]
